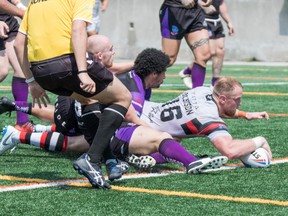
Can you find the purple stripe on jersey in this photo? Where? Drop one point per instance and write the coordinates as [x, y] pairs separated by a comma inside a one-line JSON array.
[[138, 96], [165, 32], [125, 133]]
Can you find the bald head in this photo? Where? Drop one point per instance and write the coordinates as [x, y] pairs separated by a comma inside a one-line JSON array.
[[101, 48], [98, 43]]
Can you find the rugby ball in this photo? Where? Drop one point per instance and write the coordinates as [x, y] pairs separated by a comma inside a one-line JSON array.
[[256, 159]]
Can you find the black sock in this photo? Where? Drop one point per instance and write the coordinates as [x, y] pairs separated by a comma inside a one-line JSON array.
[[90, 116], [110, 120]]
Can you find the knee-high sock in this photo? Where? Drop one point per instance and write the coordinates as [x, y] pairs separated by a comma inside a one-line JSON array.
[[90, 116], [197, 75], [110, 120], [50, 141], [174, 152], [158, 157], [20, 93]]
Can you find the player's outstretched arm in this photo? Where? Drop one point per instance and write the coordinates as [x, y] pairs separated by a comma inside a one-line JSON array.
[[235, 148], [257, 115]]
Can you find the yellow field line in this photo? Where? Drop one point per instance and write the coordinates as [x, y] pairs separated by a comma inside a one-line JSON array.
[[278, 114], [202, 196], [192, 195], [79, 183], [13, 178]]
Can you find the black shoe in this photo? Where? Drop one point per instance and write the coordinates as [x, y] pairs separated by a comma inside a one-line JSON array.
[[92, 171], [113, 171], [123, 166], [6, 105]]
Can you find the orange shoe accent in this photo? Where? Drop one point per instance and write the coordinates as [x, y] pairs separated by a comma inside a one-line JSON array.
[[27, 127]]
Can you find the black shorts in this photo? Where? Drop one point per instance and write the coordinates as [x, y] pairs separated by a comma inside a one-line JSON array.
[[215, 30], [121, 140], [176, 22], [13, 24], [60, 76], [2, 45], [65, 117]]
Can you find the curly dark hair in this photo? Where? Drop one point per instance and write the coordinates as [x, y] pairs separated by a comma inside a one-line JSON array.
[[150, 60]]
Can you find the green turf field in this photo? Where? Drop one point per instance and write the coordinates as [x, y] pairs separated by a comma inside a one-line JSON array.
[[36, 182]]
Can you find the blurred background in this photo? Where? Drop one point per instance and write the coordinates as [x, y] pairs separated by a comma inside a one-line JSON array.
[[261, 28]]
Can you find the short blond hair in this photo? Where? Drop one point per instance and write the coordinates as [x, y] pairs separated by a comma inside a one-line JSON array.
[[225, 86]]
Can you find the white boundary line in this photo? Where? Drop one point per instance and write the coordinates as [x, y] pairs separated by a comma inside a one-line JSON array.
[[136, 176], [244, 84]]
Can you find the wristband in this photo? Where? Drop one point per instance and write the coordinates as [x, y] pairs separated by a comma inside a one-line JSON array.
[[241, 114], [258, 142], [31, 79], [21, 6], [83, 71]]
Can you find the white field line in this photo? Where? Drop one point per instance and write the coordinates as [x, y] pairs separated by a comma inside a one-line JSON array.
[[30, 186], [244, 84], [181, 85]]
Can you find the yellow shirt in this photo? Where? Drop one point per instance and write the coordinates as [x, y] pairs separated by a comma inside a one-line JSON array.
[[48, 26]]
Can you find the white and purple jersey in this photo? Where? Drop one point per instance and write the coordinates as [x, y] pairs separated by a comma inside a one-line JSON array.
[[193, 113]]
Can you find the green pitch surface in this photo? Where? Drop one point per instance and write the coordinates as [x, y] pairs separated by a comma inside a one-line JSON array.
[[36, 182]]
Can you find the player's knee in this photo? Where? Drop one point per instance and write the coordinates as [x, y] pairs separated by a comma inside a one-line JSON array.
[[172, 60], [206, 56], [220, 52], [213, 53], [3, 73], [164, 135]]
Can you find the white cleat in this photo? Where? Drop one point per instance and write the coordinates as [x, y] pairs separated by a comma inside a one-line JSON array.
[[7, 141], [142, 162], [187, 80], [196, 166], [217, 162]]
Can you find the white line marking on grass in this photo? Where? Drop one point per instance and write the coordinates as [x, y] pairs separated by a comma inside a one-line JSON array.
[[244, 84], [30, 185]]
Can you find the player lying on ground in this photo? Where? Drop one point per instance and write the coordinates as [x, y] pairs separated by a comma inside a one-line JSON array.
[[199, 112]]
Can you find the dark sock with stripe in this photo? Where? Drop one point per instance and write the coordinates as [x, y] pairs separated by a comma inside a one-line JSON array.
[[174, 152], [90, 116], [110, 120]]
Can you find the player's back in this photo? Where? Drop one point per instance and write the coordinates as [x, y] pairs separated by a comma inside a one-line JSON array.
[[186, 116]]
